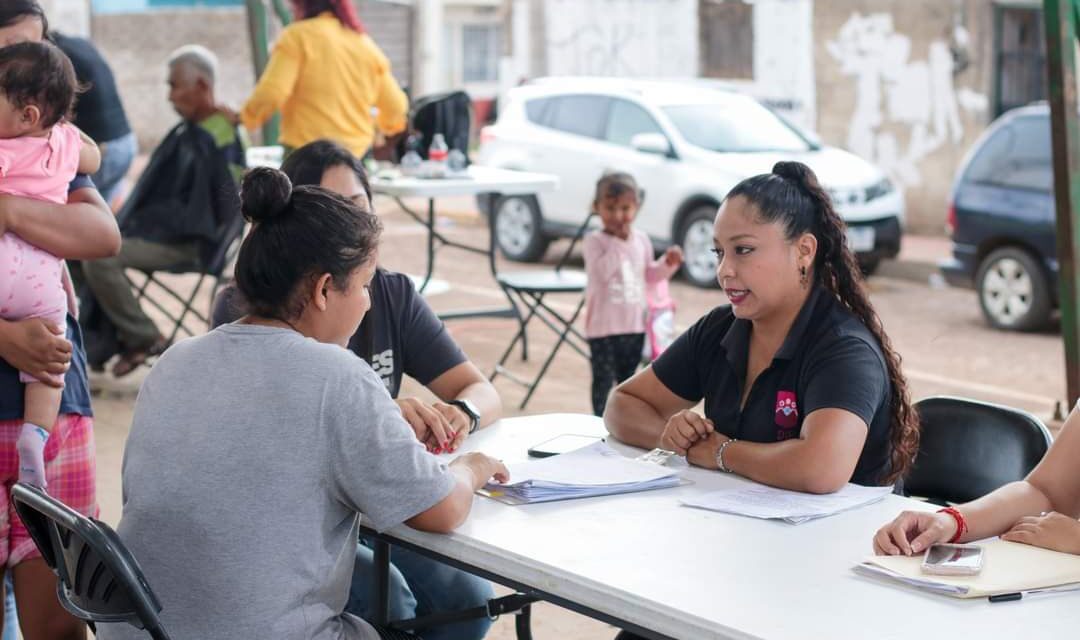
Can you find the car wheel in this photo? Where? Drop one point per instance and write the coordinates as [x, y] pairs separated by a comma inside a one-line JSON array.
[[696, 238], [1013, 290], [518, 228]]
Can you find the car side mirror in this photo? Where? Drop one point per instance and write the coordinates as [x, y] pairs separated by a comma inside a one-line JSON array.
[[655, 143]]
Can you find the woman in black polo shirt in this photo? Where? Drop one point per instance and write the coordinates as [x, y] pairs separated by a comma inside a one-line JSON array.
[[802, 387]]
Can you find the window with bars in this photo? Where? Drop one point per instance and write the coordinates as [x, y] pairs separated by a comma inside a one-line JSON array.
[[1020, 58], [480, 52]]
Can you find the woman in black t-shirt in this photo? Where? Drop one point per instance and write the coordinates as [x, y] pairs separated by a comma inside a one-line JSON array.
[[802, 389]]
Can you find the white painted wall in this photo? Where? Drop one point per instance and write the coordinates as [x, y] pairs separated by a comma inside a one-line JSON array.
[[784, 59], [906, 106], [70, 16], [622, 38]]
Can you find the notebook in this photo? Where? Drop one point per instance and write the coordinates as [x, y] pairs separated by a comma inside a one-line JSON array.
[[1008, 567]]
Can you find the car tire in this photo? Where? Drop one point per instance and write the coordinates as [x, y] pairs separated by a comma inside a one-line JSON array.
[[518, 228], [696, 239], [1013, 290]]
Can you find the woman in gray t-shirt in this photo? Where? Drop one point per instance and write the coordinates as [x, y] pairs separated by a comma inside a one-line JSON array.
[[254, 448]]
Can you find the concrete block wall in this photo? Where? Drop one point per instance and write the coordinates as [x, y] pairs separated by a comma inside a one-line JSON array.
[[138, 45], [893, 86]]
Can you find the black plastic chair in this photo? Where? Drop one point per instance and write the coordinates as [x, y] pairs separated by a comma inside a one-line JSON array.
[[969, 448], [213, 274], [98, 578], [526, 291], [449, 113]]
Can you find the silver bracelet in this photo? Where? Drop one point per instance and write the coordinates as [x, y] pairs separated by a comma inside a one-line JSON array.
[[720, 456]]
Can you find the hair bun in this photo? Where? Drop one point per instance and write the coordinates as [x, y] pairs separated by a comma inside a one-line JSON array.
[[264, 194], [794, 171]]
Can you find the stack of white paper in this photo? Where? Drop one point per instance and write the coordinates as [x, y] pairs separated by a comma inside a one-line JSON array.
[[595, 470], [760, 501], [928, 584]]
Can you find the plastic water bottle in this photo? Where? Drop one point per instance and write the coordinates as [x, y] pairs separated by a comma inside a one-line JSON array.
[[437, 156], [456, 162], [411, 161]]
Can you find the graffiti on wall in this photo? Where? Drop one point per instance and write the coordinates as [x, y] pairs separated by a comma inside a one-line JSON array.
[[621, 38], [895, 93]]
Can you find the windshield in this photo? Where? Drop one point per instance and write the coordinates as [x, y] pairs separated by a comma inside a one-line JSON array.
[[736, 126]]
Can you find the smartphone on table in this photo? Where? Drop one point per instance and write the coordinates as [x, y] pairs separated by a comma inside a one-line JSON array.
[[953, 559], [562, 444]]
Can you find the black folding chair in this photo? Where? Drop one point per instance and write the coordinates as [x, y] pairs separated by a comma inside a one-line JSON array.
[[213, 274], [969, 448], [98, 578], [448, 113], [526, 291]]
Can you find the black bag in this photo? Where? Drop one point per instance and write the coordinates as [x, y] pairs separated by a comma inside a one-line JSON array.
[[447, 113]]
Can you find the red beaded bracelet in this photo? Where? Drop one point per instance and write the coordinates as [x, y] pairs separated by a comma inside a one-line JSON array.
[[961, 524]]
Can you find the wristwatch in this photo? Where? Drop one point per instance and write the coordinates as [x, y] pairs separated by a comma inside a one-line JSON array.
[[470, 410]]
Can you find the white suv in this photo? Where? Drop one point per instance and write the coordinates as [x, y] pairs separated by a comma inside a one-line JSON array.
[[687, 144]]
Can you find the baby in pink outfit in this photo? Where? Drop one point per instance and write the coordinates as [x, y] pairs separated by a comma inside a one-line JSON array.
[[620, 266], [39, 155]]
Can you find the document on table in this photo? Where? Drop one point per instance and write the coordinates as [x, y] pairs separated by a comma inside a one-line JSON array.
[[769, 503], [595, 470], [1008, 567]]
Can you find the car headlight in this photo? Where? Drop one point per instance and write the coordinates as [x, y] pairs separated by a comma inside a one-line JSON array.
[[879, 189]]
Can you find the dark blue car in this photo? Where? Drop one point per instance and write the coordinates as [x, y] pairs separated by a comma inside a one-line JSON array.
[[1002, 222]]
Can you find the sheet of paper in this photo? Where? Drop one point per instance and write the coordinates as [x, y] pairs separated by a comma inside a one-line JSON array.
[[760, 501], [595, 465]]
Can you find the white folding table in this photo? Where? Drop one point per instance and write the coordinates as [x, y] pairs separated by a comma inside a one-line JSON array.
[[642, 562], [478, 180]]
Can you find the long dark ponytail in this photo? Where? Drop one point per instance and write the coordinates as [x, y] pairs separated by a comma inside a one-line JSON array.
[[792, 195]]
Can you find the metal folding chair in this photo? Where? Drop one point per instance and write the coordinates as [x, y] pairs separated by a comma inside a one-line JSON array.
[[526, 291], [98, 578], [212, 274]]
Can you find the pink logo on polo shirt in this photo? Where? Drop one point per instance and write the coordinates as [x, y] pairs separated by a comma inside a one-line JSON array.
[[787, 412]]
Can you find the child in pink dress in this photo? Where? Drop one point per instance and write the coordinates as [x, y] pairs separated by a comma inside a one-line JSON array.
[[619, 264], [39, 155]]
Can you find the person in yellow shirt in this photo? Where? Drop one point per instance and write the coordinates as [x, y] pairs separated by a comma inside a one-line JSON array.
[[327, 77]]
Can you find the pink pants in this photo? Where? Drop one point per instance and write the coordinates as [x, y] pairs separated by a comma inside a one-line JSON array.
[[70, 468], [31, 285]]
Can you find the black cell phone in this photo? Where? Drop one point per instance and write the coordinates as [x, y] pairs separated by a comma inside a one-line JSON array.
[[562, 444]]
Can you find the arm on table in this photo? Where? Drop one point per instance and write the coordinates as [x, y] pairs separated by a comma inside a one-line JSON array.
[[820, 460], [1015, 509], [472, 471], [640, 408]]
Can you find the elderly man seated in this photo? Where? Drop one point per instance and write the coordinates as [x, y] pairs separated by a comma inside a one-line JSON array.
[[176, 215]]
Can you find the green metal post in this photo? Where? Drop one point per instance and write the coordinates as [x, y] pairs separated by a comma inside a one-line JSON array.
[[1062, 18], [259, 37]]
